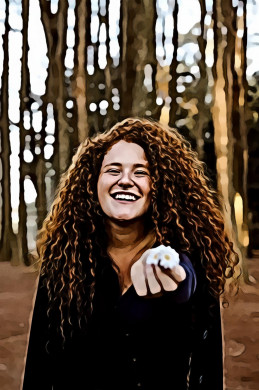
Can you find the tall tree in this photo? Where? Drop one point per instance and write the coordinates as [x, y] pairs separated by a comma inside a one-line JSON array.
[[241, 149], [95, 83], [24, 98], [201, 87], [8, 239], [138, 50], [229, 150], [82, 37], [112, 75], [173, 69], [55, 27]]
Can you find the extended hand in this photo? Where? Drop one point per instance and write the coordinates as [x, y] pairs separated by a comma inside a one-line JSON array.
[[157, 270]]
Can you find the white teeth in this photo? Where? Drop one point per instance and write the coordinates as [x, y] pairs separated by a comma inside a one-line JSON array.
[[127, 197]]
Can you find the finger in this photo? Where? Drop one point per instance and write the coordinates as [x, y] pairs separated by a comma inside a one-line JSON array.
[[138, 278], [145, 255], [152, 282], [178, 273], [167, 282]]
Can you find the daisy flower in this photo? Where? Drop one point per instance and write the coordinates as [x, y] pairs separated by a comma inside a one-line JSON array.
[[164, 256]]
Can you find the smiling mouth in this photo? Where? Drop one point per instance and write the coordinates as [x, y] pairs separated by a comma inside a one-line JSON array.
[[125, 197]]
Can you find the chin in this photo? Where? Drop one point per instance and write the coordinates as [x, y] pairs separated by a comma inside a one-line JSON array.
[[126, 218], [122, 217]]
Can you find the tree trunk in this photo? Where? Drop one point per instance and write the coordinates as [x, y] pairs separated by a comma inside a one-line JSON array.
[[229, 150], [138, 50], [55, 31], [173, 82], [8, 239], [201, 87], [24, 94], [79, 79]]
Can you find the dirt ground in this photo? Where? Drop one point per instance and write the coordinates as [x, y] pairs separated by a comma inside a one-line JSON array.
[[241, 335], [240, 322]]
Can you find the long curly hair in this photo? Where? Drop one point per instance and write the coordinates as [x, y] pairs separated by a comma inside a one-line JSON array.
[[185, 213]]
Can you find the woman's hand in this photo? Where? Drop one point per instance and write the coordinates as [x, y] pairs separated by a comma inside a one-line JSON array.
[[157, 270]]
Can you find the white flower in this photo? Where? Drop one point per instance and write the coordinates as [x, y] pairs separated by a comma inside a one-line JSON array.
[[165, 256]]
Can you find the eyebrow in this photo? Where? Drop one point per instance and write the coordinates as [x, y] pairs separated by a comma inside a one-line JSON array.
[[134, 165]]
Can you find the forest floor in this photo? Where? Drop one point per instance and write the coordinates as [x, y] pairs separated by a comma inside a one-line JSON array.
[[240, 322], [241, 334]]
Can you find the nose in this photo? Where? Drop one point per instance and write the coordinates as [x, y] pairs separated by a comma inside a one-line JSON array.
[[125, 180]]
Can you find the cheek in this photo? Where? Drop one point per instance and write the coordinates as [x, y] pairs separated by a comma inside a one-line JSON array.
[[147, 188], [99, 189], [103, 186]]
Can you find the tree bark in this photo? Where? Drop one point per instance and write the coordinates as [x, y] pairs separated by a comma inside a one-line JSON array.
[[201, 87], [24, 94], [138, 50], [226, 116], [173, 82], [8, 239], [79, 79]]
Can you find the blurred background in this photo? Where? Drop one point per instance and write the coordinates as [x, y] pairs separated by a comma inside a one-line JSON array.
[[72, 68]]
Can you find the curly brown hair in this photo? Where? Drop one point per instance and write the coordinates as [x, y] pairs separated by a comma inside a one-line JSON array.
[[185, 214]]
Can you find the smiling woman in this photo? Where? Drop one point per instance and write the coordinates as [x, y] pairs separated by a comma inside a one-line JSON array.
[[134, 257], [124, 184]]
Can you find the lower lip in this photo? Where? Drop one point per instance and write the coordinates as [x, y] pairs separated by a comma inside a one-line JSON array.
[[124, 201]]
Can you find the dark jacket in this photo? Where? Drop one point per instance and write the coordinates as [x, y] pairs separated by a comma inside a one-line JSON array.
[[131, 342]]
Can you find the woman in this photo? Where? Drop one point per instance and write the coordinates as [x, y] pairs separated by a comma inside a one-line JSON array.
[[110, 313]]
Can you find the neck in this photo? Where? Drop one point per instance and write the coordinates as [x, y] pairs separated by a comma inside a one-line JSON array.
[[125, 234], [127, 241]]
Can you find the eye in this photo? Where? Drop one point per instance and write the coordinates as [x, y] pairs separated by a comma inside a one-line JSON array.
[[113, 171], [141, 173]]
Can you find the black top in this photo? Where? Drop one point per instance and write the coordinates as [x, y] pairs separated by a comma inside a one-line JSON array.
[[132, 342]]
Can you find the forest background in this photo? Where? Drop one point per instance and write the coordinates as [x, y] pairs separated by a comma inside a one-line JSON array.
[[72, 68]]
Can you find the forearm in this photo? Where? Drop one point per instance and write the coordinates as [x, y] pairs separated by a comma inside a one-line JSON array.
[[187, 287]]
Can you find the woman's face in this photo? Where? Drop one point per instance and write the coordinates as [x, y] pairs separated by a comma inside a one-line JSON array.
[[124, 182]]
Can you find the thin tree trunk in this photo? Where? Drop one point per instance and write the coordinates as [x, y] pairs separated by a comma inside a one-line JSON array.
[[144, 100], [219, 114], [243, 115], [8, 239], [63, 134], [237, 127], [55, 27], [225, 114], [24, 93], [240, 158], [56, 94], [79, 84], [116, 76], [109, 72], [201, 87], [138, 50], [128, 55], [96, 120], [173, 82]]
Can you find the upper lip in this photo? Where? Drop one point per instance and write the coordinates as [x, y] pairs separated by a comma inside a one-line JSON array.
[[125, 193]]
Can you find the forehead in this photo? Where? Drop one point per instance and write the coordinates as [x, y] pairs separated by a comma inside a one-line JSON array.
[[125, 153]]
